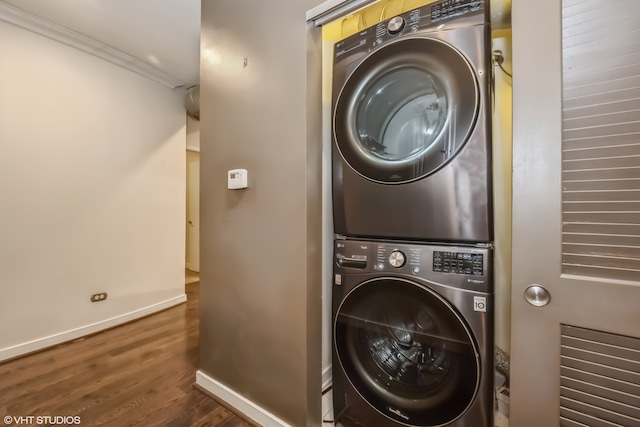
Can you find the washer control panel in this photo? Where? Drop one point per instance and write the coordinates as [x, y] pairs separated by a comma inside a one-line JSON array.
[[392, 257], [352, 255], [469, 267], [458, 262]]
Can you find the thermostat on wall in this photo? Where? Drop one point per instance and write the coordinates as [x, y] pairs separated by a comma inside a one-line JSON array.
[[237, 179]]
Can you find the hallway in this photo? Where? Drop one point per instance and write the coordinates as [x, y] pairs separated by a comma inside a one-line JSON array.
[[141, 373]]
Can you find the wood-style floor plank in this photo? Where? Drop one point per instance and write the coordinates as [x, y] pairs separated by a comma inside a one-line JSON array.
[[138, 374]]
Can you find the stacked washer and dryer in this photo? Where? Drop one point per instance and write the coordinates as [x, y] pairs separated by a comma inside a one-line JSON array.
[[411, 172]]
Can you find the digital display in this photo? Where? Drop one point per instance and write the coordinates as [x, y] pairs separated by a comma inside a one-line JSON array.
[[450, 8], [458, 263]]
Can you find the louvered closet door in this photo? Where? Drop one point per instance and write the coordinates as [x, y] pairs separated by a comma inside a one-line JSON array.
[[576, 213]]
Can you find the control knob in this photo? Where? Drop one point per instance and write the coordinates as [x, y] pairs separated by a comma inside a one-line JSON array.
[[395, 25], [397, 259]]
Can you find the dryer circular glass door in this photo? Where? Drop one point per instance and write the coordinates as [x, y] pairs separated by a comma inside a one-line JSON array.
[[406, 110], [407, 352]]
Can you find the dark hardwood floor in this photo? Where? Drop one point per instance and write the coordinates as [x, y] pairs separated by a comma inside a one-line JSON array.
[[138, 374]]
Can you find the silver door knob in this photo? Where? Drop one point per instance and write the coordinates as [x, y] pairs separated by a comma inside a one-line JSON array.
[[537, 296]]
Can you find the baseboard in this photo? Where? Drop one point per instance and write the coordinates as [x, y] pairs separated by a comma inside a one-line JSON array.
[[190, 267], [52, 340], [240, 403], [326, 377]]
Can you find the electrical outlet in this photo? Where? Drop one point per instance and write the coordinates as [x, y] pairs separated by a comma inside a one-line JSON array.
[[99, 297]]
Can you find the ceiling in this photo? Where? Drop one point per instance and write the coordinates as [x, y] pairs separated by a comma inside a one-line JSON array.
[[162, 33]]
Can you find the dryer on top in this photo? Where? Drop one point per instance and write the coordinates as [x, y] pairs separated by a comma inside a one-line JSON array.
[[411, 126]]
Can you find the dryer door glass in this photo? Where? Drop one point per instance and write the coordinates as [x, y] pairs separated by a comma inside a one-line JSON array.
[[406, 110], [407, 352]]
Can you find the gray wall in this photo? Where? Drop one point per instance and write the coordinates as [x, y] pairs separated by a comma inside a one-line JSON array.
[[261, 247]]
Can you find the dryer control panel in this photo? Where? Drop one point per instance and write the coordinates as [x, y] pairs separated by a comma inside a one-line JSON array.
[[431, 17], [450, 8]]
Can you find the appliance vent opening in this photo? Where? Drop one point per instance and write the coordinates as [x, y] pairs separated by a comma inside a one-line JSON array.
[[192, 102], [599, 378]]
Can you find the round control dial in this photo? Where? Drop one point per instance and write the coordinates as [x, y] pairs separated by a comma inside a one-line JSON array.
[[397, 259], [395, 25]]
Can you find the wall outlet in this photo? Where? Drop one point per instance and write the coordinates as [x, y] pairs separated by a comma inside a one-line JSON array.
[[99, 297]]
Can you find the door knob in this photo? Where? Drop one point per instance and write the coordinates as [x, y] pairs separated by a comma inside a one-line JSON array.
[[537, 296], [191, 223]]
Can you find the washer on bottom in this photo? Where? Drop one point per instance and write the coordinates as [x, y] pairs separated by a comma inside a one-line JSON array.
[[413, 335]]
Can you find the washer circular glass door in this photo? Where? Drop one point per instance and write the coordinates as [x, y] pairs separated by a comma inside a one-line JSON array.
[[406, 110], [407, 352]]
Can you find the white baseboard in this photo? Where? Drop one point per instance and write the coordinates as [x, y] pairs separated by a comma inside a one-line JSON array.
[[326, 377], [191, 267], [239, 402], [41, 343]]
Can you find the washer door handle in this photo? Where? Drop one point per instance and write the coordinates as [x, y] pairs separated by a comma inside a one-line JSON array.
[[537, 295]]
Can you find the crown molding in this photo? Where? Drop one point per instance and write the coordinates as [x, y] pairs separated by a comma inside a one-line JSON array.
[[86, 44], [331, 10]]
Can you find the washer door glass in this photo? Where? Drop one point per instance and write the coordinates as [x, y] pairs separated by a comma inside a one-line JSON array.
[[407, 352], [406, 110]]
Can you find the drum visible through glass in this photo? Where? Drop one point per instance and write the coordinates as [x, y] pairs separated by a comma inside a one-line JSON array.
[[401, 115]]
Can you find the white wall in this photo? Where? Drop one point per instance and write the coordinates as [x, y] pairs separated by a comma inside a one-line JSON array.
[[502, 199], [193, 134], [92, 193]]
